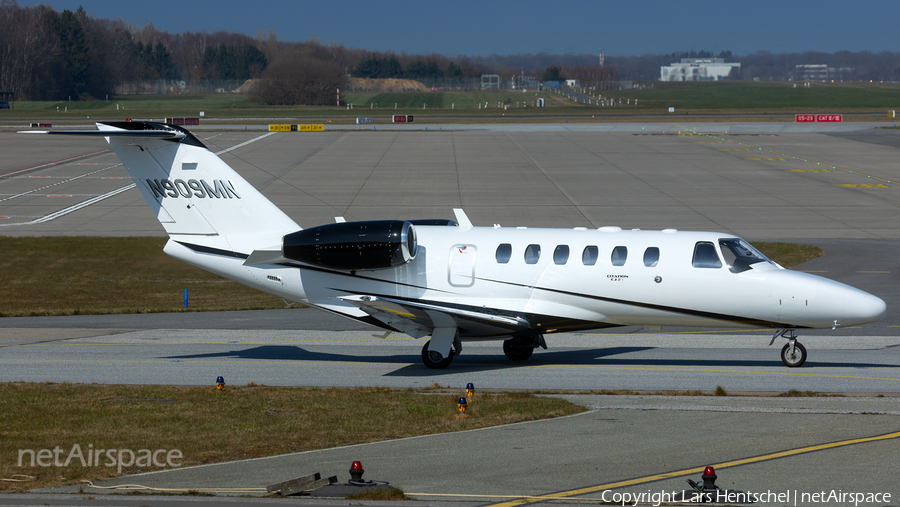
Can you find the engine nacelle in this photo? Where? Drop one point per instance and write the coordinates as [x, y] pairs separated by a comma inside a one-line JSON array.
[[353, 245]]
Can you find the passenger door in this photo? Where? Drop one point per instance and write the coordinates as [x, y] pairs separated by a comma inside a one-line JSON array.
[[462, 265]]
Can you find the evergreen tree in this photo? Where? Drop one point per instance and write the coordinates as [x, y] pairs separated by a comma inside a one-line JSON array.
[[454, 70], [229, 62], [378, 68], [162, 62], [68, 30], [422, 69], [552, 73]]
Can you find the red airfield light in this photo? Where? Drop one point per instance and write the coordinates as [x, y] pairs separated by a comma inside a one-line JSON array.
[[709, 479], [356, 473]]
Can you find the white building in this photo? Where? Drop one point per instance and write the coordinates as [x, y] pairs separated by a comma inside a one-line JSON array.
[[819, 72], [698, 69]]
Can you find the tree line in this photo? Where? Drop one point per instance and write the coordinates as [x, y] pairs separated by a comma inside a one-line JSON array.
[[47, 55]]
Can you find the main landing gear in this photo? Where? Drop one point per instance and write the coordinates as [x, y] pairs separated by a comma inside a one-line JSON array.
[[793, 354], [435, 360], [520, 348]]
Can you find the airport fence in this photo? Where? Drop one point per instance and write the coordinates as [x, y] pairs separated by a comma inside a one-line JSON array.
[[516, 83]]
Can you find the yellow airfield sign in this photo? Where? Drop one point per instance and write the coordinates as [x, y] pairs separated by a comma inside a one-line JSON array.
[[296, 128]]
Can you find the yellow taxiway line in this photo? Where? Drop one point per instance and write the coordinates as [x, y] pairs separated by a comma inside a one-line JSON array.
[[678, 473]]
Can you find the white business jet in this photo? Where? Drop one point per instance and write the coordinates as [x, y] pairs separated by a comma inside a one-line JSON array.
[[453, 281]]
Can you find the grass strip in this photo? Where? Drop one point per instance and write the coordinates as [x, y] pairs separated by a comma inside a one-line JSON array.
[[648, 97], [386, 494], [789, 254], [72, 275], [241, 422]]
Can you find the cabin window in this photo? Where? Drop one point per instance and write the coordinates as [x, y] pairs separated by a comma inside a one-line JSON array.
[[589, 255], [504, 252], [561, 254], [739, 254], [651, 257], [532, 254], [705, 256], [619, 254]]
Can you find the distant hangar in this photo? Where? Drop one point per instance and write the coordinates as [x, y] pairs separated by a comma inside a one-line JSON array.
[[698, 69]]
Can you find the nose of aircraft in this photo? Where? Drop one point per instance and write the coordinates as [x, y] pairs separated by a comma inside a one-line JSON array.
[[861, 307]]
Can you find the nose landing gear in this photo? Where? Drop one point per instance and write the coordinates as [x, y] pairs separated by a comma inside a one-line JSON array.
[[793, 354]]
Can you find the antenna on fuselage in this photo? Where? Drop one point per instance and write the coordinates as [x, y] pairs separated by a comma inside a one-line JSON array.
[[462, 219]]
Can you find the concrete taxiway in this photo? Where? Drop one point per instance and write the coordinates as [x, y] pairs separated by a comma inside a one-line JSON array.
[[364, 358], [760, 181]]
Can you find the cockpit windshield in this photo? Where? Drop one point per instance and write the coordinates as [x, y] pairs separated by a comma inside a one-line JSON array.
[[740, 255]]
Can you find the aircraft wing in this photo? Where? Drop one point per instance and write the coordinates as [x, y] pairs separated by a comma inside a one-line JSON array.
[[418, 318]]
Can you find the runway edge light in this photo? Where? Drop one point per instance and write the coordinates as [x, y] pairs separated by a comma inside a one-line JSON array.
[[709, 478], [356, 472], [461, 404]]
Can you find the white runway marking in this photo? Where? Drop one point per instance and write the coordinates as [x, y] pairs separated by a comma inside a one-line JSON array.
[[57, 183], [94, 200]]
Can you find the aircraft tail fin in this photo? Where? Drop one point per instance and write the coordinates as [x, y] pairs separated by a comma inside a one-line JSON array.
[[190, 189]]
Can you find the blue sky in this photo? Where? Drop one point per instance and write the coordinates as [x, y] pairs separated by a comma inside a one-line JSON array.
[[465, 27]]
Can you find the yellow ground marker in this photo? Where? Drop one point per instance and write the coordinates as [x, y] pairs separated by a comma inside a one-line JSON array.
[[688, 471], [719, 136], [770, 159], [863, 185], [809, 170]]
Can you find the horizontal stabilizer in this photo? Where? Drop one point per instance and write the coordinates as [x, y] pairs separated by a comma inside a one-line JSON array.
[[265, 257], [156, 134]]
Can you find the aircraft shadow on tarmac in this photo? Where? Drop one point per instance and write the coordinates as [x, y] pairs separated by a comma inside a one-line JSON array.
[[483, 362]]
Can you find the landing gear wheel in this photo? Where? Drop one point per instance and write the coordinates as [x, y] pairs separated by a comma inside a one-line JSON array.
[[515, 351], [435, 360], [796, 359]]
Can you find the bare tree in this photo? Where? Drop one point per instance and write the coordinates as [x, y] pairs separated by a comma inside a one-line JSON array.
[[28, 55], [299, 79]]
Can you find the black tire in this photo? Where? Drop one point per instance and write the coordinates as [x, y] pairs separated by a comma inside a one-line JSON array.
[[797, 359], [435, 360], [515, 351]]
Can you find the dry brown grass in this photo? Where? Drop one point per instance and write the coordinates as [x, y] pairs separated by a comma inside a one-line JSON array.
[[391, 494], [241, 422], [386, 85], [789, 254], [91, 275]]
